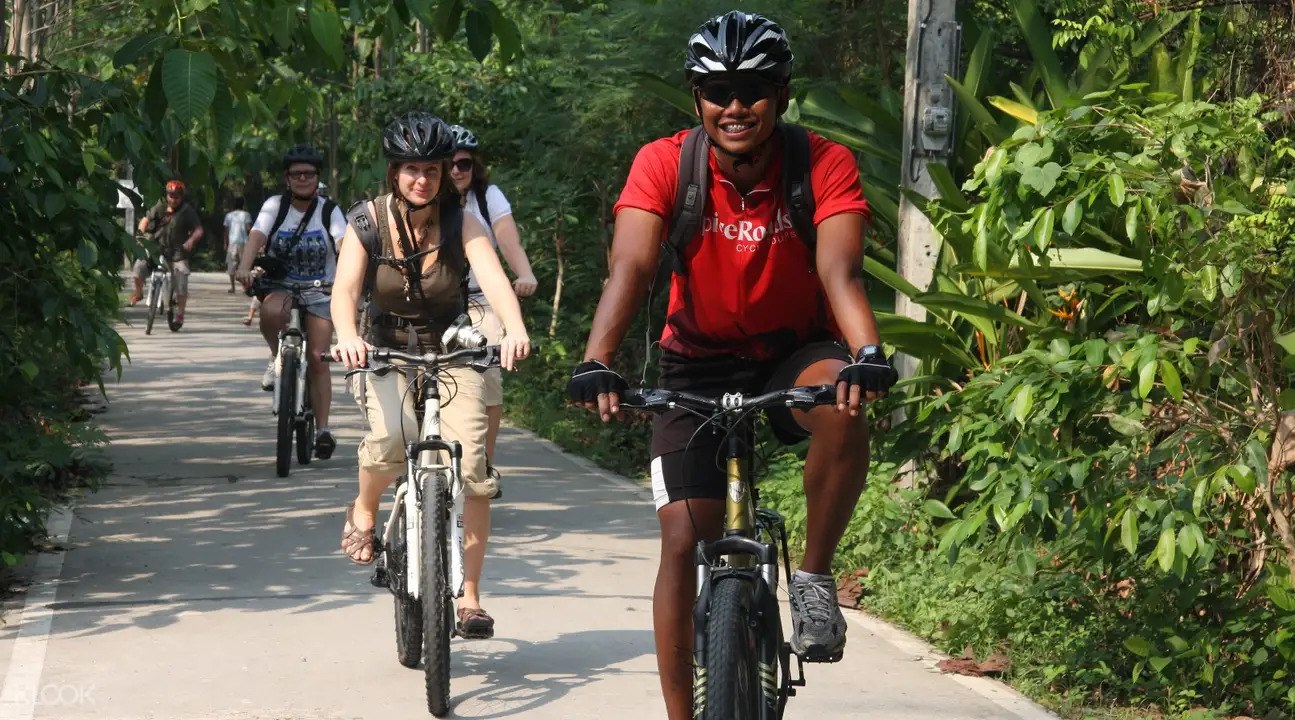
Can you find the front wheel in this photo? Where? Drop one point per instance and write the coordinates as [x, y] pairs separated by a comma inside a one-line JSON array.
[[287, 410], [154, 302], [306, 430], [409, 610], [727, 686], [437, 622]]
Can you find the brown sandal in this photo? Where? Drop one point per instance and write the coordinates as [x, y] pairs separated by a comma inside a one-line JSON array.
[[355, 540], [475, 624]]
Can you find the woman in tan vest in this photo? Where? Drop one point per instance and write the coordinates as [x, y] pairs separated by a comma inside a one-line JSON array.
[[411, 304]]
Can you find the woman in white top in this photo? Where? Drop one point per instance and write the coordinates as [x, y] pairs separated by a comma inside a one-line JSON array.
[[488, 205]]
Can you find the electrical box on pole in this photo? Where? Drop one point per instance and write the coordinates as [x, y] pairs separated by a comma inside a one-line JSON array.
[[934, 48]]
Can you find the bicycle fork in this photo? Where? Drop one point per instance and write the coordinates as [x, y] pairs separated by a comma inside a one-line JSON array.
[[419, 502], [291, 337]]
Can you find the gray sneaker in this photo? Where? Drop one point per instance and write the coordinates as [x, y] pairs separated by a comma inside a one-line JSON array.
[[267, 380], [817, 625]]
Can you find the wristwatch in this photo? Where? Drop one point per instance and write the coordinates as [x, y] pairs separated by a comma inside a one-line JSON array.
[[867, 350]]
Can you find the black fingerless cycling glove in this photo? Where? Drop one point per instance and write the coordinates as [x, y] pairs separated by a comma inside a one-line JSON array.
[[871, 370], [591, 378]]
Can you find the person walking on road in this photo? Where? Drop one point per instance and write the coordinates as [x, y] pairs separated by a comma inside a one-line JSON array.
[[238, 223]]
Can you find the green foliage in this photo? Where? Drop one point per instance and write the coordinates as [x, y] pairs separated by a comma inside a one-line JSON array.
[[58, 292]]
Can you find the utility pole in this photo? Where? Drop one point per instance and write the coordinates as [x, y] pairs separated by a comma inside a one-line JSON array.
[[934, 46]]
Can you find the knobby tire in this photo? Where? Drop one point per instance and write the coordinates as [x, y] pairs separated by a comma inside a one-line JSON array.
[[437, 623], [154, 300], [287, 411], [728, 687]]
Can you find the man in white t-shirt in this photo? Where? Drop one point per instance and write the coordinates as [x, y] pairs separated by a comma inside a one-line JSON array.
[[303, 230], [238, 222]]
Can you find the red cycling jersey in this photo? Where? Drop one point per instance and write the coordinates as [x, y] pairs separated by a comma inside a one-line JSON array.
[[751, 290]]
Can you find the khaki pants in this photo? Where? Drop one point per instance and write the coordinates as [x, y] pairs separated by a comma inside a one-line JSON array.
[[483, 319], [389, 410]]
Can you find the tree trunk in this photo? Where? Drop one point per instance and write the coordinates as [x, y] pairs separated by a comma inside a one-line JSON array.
[[424, 40], [557, 286], [377, 59], [332, 143]]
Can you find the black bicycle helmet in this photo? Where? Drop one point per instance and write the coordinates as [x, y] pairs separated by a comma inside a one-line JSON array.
[[303, 154], [739, 42], [464, 139], [417, 137]]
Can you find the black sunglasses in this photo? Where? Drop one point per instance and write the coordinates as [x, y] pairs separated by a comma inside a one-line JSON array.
[[463, 165], [748, 90], [303, 175]]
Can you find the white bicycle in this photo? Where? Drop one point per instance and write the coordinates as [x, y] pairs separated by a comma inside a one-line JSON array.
[[420, 552], [159, 293]]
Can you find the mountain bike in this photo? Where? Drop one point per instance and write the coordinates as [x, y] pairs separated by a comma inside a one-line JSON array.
[[420, 551], [291, 402], [160, 292], [741, 663]]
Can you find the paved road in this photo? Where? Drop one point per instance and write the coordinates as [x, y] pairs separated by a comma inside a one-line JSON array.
[[198, 585]]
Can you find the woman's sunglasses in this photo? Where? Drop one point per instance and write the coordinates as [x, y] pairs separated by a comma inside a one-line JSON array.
[[746, 89], [464, 165]]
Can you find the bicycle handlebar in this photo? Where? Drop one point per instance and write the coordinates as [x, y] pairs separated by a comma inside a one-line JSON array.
[[485, 355], [658, 400]]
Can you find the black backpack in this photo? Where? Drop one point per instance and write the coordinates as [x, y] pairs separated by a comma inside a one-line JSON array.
[[285, 202], [694, 184]]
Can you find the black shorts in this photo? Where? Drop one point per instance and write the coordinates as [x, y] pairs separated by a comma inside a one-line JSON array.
[[689, 461]]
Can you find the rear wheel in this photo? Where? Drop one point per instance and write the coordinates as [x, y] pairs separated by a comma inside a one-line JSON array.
[[287, 409], [409, 610], [437, 622], [727, 687], [154, 302]]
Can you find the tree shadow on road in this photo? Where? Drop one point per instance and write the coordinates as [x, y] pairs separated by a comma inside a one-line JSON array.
[[522, 677]]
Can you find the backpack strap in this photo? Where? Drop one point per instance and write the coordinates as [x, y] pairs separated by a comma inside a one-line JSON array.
[[326, 220], [482, 206], [366, 229], [285, 202], [796, 187], [452, 236], [689, 204]]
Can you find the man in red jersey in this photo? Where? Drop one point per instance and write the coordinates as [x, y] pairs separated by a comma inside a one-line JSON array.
[[757, 307]]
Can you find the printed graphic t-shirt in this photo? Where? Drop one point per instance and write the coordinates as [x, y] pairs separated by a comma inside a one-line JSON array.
[[313, 257], [751, 290]]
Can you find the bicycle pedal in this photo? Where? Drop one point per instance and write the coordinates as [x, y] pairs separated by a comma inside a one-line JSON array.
[[820, 658], [378, 578]]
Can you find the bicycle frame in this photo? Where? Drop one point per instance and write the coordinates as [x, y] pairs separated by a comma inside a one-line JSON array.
[[749, 547], [292, 336], [421, 463], [161, 275]]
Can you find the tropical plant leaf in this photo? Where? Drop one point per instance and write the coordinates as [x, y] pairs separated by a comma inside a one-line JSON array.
[[189, 81], [968, 305], [1038, 37], [980, 116], [480, 35], [326, 28], [1025, 114]]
